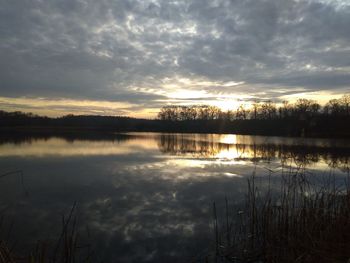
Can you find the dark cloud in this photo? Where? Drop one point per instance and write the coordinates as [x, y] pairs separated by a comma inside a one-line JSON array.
[[102, 50]]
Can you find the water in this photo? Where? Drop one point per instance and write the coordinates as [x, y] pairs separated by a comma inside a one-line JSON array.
[[144, 197]]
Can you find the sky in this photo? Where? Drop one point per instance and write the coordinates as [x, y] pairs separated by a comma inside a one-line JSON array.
[[131, 57]]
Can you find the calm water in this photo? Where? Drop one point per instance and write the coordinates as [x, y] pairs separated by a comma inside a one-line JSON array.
[[144, 197]]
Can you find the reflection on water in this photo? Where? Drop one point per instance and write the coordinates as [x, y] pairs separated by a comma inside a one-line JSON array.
[[210, 146], [300, 152], [64, 148], [144, 197]]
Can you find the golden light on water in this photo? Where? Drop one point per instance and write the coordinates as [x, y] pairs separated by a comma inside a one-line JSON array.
[[228, 154], [63, 148], [172, 150], [229, 139]]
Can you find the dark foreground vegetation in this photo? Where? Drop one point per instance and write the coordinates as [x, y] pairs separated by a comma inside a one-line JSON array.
[[302, 222], [66, 248], [304, 118]]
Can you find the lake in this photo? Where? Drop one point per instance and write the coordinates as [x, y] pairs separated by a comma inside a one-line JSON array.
[[144, 197]]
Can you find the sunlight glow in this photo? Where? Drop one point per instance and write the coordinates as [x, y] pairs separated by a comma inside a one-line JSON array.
[[187, 94], [321, 97], [62, 106], [230, 154], [225, 105], [229, 139], [63, 148]]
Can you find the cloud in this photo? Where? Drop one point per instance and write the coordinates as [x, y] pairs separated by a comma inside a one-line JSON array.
[[123, 50]]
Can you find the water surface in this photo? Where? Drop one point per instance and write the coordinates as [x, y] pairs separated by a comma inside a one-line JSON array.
[[144, 197]]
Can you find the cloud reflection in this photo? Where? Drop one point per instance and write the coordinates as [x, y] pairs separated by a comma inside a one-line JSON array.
[[147, 203]]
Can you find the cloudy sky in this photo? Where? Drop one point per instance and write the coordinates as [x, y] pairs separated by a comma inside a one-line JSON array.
[[130, 57]]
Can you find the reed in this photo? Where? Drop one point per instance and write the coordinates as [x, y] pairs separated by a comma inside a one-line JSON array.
[[303, 222], [66, 249]]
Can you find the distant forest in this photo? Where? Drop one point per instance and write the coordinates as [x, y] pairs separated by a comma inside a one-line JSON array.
[[301, 109], [302, 118]]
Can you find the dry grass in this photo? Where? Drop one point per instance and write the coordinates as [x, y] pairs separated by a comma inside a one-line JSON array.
[[65, 250], [302, 223]]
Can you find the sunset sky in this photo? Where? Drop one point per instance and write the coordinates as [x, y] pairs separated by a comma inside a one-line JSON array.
[[131, 57]]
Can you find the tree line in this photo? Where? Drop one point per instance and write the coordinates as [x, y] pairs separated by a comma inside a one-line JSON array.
[[302, 109], [302, 118]]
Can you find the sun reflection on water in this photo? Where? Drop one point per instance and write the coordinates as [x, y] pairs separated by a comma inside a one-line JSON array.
[[192, 150], [229, 139]]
